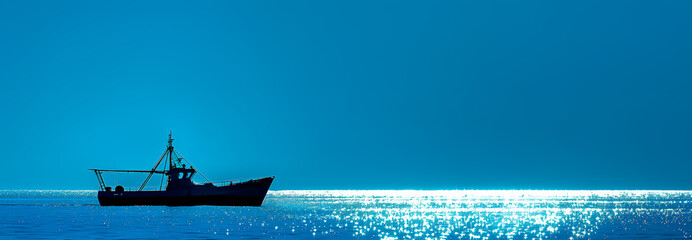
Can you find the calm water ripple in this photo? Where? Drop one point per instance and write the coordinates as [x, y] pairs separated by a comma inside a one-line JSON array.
[[361, 215]]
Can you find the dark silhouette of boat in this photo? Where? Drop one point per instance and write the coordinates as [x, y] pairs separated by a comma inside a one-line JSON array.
[[180, 189]]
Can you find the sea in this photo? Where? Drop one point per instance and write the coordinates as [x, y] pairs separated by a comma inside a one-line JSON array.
[[356, 214]]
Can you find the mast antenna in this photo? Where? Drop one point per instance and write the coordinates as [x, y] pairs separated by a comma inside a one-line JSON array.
[[170, 150], [170, 139]]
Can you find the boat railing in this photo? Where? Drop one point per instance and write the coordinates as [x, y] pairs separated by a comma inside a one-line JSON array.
[[147, 188], [228, 182], [151, 188]]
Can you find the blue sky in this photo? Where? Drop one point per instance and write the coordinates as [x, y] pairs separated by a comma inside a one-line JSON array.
[[351, 94]]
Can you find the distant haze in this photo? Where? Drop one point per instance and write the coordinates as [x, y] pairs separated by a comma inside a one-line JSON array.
[[351, 94]]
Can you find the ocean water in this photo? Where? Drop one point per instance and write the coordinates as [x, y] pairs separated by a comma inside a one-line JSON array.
[[360, 215]]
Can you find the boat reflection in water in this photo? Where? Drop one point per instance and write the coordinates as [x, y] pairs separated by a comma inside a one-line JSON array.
[[180, 189]]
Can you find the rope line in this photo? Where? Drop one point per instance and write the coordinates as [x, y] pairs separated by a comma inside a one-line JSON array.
[[192, 166]]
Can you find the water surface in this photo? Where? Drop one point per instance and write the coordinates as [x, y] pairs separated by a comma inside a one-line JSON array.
[[361, 215]]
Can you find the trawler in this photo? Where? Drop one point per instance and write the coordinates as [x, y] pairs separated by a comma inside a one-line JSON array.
[[180, 190]]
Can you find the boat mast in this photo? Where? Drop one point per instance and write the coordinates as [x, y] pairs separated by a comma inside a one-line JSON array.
[[170, 150]]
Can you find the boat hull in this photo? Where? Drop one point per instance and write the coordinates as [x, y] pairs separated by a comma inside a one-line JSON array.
[[250, 193]]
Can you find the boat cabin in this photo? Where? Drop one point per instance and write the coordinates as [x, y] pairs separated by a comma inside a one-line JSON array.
[[180, 177]]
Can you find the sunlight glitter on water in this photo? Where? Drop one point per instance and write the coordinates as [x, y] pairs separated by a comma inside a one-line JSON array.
[[506, 214]]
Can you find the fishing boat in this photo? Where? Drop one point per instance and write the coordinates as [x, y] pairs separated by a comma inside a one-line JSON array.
[[180, 190]]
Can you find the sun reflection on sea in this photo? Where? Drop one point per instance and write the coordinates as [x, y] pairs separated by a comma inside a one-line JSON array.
[[505, 214]]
